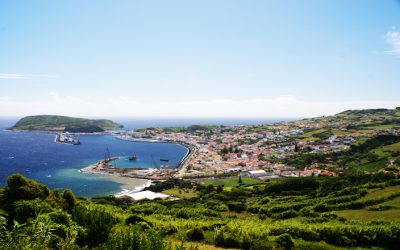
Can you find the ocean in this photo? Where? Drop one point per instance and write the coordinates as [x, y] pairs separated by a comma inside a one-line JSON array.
[[37, 156]]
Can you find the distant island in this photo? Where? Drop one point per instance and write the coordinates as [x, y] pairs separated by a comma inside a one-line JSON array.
[[64, 124]]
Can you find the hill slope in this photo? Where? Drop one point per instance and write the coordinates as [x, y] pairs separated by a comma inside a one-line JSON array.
[[64, 123]]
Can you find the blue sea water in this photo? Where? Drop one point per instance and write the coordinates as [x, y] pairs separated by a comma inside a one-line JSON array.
[[57, 165]]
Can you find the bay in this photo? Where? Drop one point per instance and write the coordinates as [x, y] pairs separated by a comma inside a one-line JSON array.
[[37, 156]]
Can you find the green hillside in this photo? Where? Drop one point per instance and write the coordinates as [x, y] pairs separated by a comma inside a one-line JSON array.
[[353, 211], [64, 124], [375, 135]]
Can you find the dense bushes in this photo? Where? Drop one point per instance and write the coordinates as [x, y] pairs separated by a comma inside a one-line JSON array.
[[305, 184], [194, 213], [26, 209], [58, 221], [343, 234], [285, 215], [285, 241], [135, 239], [168, 184], [97, 221], [20, 188]]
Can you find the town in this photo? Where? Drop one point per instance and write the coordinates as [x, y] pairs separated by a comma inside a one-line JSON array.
[[265, 151]]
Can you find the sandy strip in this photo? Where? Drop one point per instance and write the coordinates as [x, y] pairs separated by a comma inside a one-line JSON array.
[[130, 183]]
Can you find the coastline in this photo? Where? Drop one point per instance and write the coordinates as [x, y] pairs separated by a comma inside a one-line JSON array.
[[133, 179], [127, 183], [137, 179], [183, 164]]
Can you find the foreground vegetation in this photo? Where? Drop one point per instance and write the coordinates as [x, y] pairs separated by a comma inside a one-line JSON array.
[[355, 210]]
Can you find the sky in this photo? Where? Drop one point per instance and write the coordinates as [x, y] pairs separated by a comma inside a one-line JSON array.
[[206, 58]]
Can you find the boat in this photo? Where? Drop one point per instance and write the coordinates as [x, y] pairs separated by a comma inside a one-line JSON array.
[[67, 138], [132, 157]]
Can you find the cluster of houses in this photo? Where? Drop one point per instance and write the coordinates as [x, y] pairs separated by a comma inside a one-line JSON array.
[[248, 149]]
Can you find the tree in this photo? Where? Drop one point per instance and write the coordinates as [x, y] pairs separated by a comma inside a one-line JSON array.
[[21, 188], [70, 199]]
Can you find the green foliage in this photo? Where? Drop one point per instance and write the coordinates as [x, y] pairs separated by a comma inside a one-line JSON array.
[[97, 221], [70, 200], [136, 239], [26, 209], [343, 234], [21, 188], [195, 234], [302, 185], [148, 208], [64, 123], [254, 221], [285, 241], [285, 215], [194, 213], [169, 184]]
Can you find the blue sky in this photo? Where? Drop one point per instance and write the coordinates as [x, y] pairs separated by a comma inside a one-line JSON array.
[[198, 58]]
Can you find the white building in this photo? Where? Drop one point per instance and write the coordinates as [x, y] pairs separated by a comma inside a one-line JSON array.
[[137, 196], [256, 173]]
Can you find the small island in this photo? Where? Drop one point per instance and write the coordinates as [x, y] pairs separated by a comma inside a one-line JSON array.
[[64, 124]]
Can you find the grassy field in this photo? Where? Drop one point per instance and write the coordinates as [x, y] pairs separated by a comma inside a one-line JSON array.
[[311, 133], [196, 245], [309, 136], [393, 147], [379, 193], [231, 182], [364, 214], [383, 126], [372, 167], [181, 193], [307, 139]]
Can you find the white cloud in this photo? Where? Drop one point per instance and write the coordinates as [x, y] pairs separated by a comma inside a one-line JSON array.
[[393, 38], [11, 76], [282, 106]]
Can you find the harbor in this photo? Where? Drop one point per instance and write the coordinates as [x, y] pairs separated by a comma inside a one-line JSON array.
[[108, 167]]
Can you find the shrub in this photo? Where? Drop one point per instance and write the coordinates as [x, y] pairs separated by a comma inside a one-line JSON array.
[[285, 215], [133, 219], [97, 221], [134, 238], [25, 210], [285, 241], [380, 208], [21, 188], [148, 208], [195, 234], [321, 208], [236, 206], [225, 239], [70, 199]]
